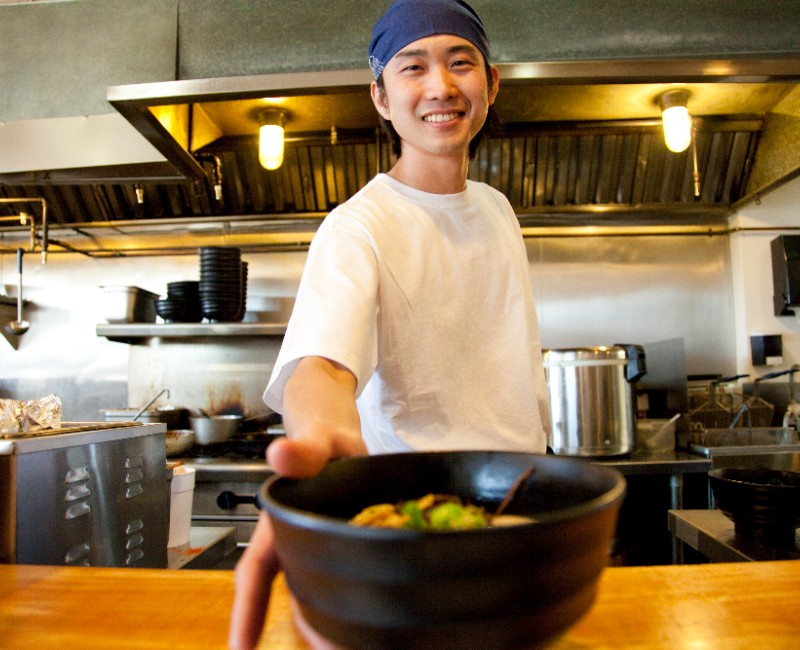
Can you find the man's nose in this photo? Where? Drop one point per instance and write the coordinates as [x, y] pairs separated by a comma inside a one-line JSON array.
[[440, 83]]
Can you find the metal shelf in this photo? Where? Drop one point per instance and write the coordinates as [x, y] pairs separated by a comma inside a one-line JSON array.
[[136, 332]]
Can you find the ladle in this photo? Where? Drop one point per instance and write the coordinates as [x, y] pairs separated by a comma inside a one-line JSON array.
[[19, 326]]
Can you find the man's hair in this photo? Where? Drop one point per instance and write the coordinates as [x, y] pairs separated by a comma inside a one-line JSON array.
[[488, 126]]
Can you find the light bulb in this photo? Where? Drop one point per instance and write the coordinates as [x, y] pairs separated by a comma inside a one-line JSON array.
[[676, 119], [677, 128], [270, 146]]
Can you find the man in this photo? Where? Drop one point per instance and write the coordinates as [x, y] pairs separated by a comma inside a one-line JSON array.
[[414, 326]]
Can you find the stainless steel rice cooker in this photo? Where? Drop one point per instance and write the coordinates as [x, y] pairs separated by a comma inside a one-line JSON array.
[[592, 394]]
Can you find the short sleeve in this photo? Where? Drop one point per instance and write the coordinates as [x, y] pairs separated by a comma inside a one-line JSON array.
[[335, 314]]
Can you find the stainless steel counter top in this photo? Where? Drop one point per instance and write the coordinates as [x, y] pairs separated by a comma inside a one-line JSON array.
[[643, 461], [711, 533], [77, 433]]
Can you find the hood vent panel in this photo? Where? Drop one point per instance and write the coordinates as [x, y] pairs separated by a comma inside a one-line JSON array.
[[577, 172], [597, 170]]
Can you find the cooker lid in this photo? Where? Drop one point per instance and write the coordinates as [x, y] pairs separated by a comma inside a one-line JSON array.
[[612, 353]]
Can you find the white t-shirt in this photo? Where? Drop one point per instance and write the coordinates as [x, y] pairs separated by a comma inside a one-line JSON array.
[[427, 300]]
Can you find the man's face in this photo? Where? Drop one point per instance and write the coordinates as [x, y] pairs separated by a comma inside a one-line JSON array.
[[436, 95]]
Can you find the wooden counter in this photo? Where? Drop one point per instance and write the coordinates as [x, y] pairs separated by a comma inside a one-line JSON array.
[[736, 605]]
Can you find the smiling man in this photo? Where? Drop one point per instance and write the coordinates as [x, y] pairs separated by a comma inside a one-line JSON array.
[[436, 94], [414, 326]]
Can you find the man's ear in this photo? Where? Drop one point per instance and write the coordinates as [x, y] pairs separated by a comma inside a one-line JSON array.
[[379, 99], [494, 84]]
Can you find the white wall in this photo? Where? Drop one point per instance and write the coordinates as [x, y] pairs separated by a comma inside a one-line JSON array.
[[756, 225]]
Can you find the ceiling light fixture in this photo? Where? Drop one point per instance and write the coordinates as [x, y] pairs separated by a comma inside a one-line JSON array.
[[676, 119], [271, 137]]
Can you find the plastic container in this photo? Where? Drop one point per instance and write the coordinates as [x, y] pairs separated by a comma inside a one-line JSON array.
[[129, 305], [655, 435], [180, 508]]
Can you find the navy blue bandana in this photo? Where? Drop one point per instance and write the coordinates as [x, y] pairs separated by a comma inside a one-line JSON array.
[[406, 21]]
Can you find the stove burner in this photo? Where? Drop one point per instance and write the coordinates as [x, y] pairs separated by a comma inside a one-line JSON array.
[[249, 448]]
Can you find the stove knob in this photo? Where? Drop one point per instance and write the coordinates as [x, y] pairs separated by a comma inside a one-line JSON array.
[[227, 500]]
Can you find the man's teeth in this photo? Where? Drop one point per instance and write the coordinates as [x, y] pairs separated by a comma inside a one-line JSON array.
[[440, 117]]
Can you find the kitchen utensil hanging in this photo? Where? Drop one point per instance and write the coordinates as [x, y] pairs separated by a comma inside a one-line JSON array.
[[19, 326], [755, 411], [714, 413], [146, 406], [791, 419]]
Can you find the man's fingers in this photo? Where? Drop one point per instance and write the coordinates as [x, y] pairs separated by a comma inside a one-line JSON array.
[[254, 574], [297, 458]]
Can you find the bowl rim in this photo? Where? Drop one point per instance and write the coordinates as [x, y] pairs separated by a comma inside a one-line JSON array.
[[328, 524]]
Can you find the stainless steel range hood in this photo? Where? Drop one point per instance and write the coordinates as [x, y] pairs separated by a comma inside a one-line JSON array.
[[579, 142]]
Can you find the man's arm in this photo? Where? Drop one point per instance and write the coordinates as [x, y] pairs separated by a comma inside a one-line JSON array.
[[320, 418], [321, 423]]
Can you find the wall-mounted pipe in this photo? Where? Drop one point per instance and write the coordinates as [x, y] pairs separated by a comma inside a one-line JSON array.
[[22, 217]]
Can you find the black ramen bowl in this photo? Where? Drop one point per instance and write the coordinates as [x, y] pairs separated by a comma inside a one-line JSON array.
[[509, 587], [762, 503]]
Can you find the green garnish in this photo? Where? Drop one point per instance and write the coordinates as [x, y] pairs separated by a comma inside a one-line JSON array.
[[433, 512]]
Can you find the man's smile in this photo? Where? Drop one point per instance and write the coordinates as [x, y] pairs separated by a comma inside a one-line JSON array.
[[441, 117]]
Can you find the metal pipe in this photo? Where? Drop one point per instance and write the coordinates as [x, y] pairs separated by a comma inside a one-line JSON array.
[[695, 168], [22, 218], [216, 172], [257, 233], [217, 177], [41, 202], [44, 231]]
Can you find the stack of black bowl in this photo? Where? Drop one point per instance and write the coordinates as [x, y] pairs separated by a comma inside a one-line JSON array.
[[243, 305], [221, 284], [182, 304]]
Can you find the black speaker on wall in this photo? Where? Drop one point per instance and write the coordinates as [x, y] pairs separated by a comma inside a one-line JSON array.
[[786, 274]]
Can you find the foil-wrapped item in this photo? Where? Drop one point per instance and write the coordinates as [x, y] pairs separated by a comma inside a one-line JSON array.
[[29, 416]]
